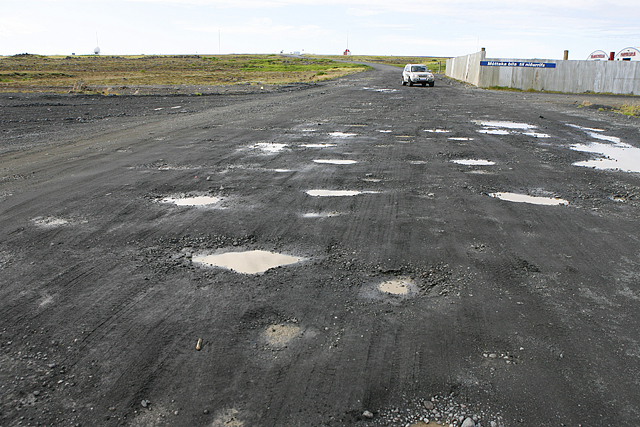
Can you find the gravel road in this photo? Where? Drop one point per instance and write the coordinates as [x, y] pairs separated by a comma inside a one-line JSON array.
[[448, 258]]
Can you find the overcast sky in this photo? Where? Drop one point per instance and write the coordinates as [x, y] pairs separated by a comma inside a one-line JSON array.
[[506, 28]]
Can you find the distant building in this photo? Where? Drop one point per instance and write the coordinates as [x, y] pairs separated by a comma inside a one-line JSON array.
[[628, 54], [598, 55], [347, 52]]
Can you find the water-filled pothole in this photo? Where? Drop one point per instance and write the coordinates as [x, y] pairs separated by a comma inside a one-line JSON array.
[[536, 134], [523, 198], [248, 262], [269, 147], [280, 335], [318, 145], [342, 134], [504, 124], [497, 127], [474, 162], [192, 201], [328, 193], [399, 286], [383, 90], [616, 156], [337, 193], [335, 161], [494, 131], [320, 214], [586, 128]]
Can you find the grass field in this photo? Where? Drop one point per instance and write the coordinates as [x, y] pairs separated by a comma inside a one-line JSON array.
[[435, 64], [24, 73]]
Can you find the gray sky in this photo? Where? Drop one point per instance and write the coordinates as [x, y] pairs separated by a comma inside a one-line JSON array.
[[506, 28]]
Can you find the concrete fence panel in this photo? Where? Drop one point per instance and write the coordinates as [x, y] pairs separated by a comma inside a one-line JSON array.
[[617, 77]]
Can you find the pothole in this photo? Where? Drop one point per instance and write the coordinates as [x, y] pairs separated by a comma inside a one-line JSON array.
[[536, 134], [383, 90], [504, 124], [399, 286], [49, 222], [318, 145], [497, 127], [227, 418], [615, 156], [342, 134], [281, 334], [494, 131], [585, 128], [523, 198], [248, 262], [335, 161], [337, 193], [320, 214], [192, 201], [269, 147], [474, 162]]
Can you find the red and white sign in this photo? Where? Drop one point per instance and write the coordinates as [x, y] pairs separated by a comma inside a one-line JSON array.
[[598, 55], [628, 54]]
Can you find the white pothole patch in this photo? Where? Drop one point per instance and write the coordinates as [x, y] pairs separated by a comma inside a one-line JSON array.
[[523, 198], [269, 147], [281, 334], [248, 262], [192, 201], [318, 145], [342, 134], [474, 162], [498, 127], [320, 214], [335, 161], [616, 156], [337, 193], [399, 286]]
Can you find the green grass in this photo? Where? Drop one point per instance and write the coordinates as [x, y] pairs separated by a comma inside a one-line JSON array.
[[59, 73], [433, 63], [628, 110]]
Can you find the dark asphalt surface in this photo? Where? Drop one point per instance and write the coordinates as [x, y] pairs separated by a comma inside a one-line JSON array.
[[515, 313]]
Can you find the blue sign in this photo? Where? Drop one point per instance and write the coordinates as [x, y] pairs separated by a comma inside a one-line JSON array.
[[518, 64]]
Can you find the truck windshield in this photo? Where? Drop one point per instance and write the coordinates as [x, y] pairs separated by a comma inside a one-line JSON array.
[[418, 69]]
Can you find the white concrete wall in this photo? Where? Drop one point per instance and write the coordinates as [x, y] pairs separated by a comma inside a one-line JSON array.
[[465, 68], [617, 77]]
